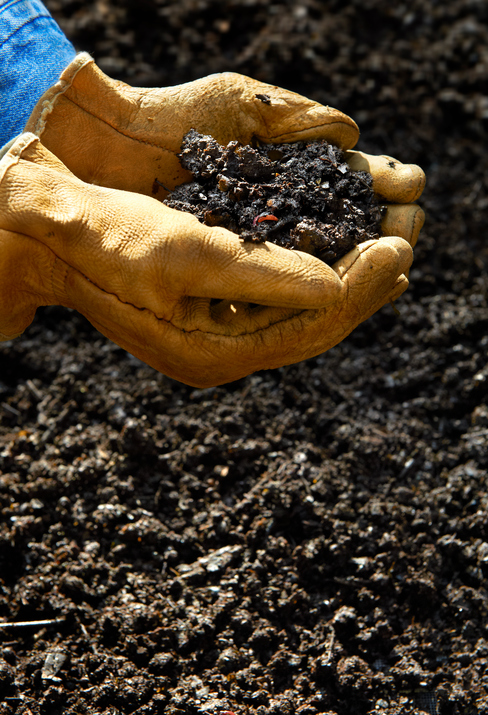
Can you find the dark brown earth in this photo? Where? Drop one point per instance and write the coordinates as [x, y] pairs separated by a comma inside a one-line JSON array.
[[308, 540], [301, 196]]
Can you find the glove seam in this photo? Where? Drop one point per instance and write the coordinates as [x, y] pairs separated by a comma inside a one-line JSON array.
[[46, 103], [47, 107], [59, 273]]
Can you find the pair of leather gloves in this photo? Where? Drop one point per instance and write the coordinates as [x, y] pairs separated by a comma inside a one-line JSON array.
[[82, 225]]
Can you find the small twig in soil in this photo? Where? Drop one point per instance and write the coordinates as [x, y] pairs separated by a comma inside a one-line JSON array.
[[33, 624]]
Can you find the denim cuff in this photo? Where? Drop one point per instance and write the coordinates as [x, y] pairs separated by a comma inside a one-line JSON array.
[[33, 53]]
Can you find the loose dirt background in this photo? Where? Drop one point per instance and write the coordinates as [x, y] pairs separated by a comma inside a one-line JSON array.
[[308, 540]]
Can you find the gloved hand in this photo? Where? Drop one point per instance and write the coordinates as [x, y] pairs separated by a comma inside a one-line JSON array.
[[110, 134], [196, 303]]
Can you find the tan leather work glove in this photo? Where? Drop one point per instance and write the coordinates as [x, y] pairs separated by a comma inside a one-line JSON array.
[[196, 303]]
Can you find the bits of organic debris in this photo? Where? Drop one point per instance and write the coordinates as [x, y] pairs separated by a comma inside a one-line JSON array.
[[301, 196]]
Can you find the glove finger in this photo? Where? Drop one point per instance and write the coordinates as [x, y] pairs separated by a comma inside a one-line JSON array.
[[405, 220], [285, 116], [217, 264], [392, 180], [370, 267], [232, 106]]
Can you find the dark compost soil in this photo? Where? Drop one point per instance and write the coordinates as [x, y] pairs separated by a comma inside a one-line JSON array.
[[306, 540], [301, 196]]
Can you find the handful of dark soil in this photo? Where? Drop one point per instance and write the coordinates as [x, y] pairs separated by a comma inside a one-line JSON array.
[[300, 196]]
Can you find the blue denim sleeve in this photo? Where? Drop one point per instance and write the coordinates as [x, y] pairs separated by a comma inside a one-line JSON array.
[[33, 53]]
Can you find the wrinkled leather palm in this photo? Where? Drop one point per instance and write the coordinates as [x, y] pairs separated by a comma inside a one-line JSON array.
[[194, 302]]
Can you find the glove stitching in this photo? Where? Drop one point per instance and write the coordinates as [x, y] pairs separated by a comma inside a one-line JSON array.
[[48, 106], [58, 276], [46, 103]]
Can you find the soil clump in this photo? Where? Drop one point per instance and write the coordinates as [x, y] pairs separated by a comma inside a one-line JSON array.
[[301, 196]]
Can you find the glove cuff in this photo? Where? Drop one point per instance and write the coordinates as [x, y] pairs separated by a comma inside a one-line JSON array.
[[37, 120], [12, 151]]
